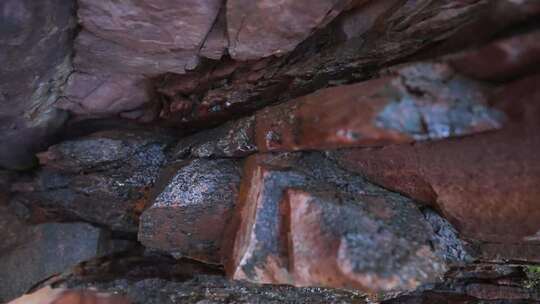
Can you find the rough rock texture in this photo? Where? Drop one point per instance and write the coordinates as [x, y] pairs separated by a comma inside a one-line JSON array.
[[103, 179], [424, 101], [216, 289], [302, 221], [232, 139], [188, 216], [46, 249], [35, 39], [110, 110], [416, 102], [485, 185], [284, 24]]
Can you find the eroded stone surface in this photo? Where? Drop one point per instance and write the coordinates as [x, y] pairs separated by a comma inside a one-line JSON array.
[[188, 216], [284, 25], [214, 289], [151, 26], [485, 185], [301, 220], [424, 101], [103, 179]]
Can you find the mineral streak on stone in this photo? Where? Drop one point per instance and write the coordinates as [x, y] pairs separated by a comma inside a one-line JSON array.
[[47, 250], [103, 179], [302, 221], [514, 57], [188, 216], [485, 185]]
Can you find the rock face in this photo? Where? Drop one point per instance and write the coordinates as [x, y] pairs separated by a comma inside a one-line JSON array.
[[188, 216], [163, 149], [301, 221], [103, 179], [35, 39], [485, 185], [248, 20], [46, 249], [417, 102]]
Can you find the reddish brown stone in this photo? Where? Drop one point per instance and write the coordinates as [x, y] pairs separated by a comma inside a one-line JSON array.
[[301, 220], [486, 185], [502, 60], [189, 214], [425, 101]]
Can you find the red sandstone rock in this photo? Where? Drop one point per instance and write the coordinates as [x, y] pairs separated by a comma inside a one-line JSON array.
[[189, 214], [502, 60], [302, 221]]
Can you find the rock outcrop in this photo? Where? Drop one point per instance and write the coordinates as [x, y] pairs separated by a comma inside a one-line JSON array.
[[270, 151]]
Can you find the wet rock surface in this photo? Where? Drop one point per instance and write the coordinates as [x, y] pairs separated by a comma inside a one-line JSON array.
[[344, 151]]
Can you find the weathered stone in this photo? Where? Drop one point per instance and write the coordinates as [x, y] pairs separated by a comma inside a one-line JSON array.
[[99, 56], [301, 220], [46, 250], [485, 185], [88, 94], [189, 214], [215, 289], [424, 101], [417, 102], [502, 60], [327, 58], [35, 42], [283, 25], [103, 179], [476, 283], [146, 25], [35, 39], [49, 295], [233, 139]]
